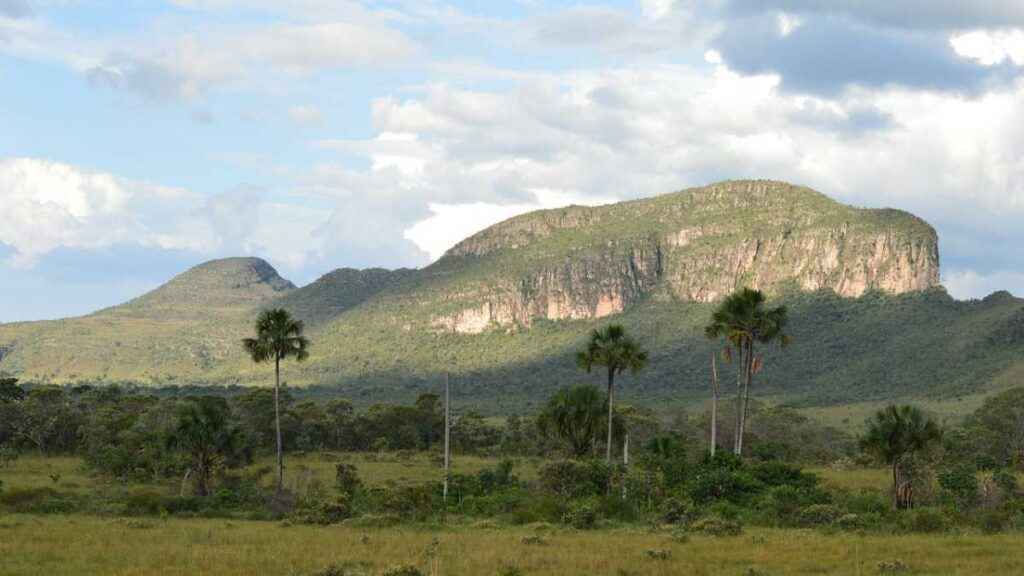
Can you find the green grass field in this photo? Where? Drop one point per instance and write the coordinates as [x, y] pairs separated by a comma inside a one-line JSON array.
[[79, 544], [32, 545]]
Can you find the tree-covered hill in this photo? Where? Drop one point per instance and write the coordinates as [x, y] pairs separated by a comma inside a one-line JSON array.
[[505, 310]]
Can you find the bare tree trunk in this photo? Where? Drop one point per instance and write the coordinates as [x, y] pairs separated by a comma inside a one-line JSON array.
[[611, 393], [277, 423], [447, 428], [714, 404]]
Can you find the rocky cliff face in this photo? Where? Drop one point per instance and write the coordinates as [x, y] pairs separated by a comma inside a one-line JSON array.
[[696, 245]]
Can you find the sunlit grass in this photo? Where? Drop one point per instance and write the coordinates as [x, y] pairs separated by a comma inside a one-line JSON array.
[[83, 545]]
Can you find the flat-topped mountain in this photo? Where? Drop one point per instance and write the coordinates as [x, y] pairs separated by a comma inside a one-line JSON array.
[[505, 309], [692, 246]]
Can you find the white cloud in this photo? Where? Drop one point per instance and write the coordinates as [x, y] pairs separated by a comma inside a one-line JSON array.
[[49, 206], [990, 47], [788, 23], [451, 223], [968, 284]]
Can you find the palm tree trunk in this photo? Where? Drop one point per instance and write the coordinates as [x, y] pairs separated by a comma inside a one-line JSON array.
[[749, 368], [895, 484], [714, 404], [611, 393], [739, 400], [277, 423]]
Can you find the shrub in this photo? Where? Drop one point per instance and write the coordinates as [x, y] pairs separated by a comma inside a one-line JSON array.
[[960, 485], [892, 567], [345, 569], [923, 520], [853, 522], [534, 540], [675, 511], [402, 570], [346, 479], [715, 526], [710, 484], [994, 521], [576, 479], [1006, 480], [581, 516], [819, 515], [42, 500], [323, 512]]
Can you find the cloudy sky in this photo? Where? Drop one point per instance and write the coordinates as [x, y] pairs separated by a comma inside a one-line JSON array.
[[138, 138]]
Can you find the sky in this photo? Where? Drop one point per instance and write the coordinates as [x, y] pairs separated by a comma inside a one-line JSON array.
[[141, 137]]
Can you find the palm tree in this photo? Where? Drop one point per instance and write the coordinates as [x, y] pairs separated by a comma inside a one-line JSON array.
[[743, 321], [575, 415], [616, 352], [204, 432], [895, 433], [278, 337]]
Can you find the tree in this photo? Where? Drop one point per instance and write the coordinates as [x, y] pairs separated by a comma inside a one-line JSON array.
[[575, 415], [278, 337], [10, 391], [894, 434], [997, 427], [204, 432], [614, 350], [743, 321]]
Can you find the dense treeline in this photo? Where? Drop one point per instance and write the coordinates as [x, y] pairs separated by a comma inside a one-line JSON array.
[[961, 475]]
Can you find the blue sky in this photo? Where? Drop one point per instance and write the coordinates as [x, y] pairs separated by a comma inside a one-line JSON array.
[[139, 138]]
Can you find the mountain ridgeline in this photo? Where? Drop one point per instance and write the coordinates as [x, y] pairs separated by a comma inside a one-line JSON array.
[[505, 309]]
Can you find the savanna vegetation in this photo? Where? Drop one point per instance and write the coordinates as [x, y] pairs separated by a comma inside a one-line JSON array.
[[126, 480]]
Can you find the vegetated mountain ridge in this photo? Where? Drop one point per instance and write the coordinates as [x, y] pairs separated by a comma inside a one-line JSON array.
[[505, 309], [692, 246]]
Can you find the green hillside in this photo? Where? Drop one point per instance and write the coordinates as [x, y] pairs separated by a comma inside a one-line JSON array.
[[505, 310]]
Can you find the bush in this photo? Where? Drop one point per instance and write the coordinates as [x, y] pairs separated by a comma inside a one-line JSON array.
[[892, 567], [323, 512], [715, 526], [994, 521], [675, 511], [853, 522], [819, 515], [346, 479], [923, 520], [43, 500], [581, 516], [402, 570], [960, 486], [345, 569], [576, 479], [658, 554]]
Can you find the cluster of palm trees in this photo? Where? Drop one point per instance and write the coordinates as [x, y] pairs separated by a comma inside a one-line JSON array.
[[742, 322]]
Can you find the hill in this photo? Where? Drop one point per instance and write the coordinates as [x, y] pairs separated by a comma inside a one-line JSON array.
[[505, 309]]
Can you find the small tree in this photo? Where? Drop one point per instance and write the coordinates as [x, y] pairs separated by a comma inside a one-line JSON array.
[[278, 337], [204, 432], [895, 434], [575, 415], [617, 352]]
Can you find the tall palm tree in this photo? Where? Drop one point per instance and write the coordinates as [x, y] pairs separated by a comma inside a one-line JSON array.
[[617, 352], [278, 337], [744, 321], [895, 433]]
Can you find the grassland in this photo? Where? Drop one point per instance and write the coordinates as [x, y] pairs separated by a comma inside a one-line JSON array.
[[77, 545]]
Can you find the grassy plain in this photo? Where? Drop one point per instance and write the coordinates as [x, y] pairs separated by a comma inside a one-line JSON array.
[[74, 545]]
